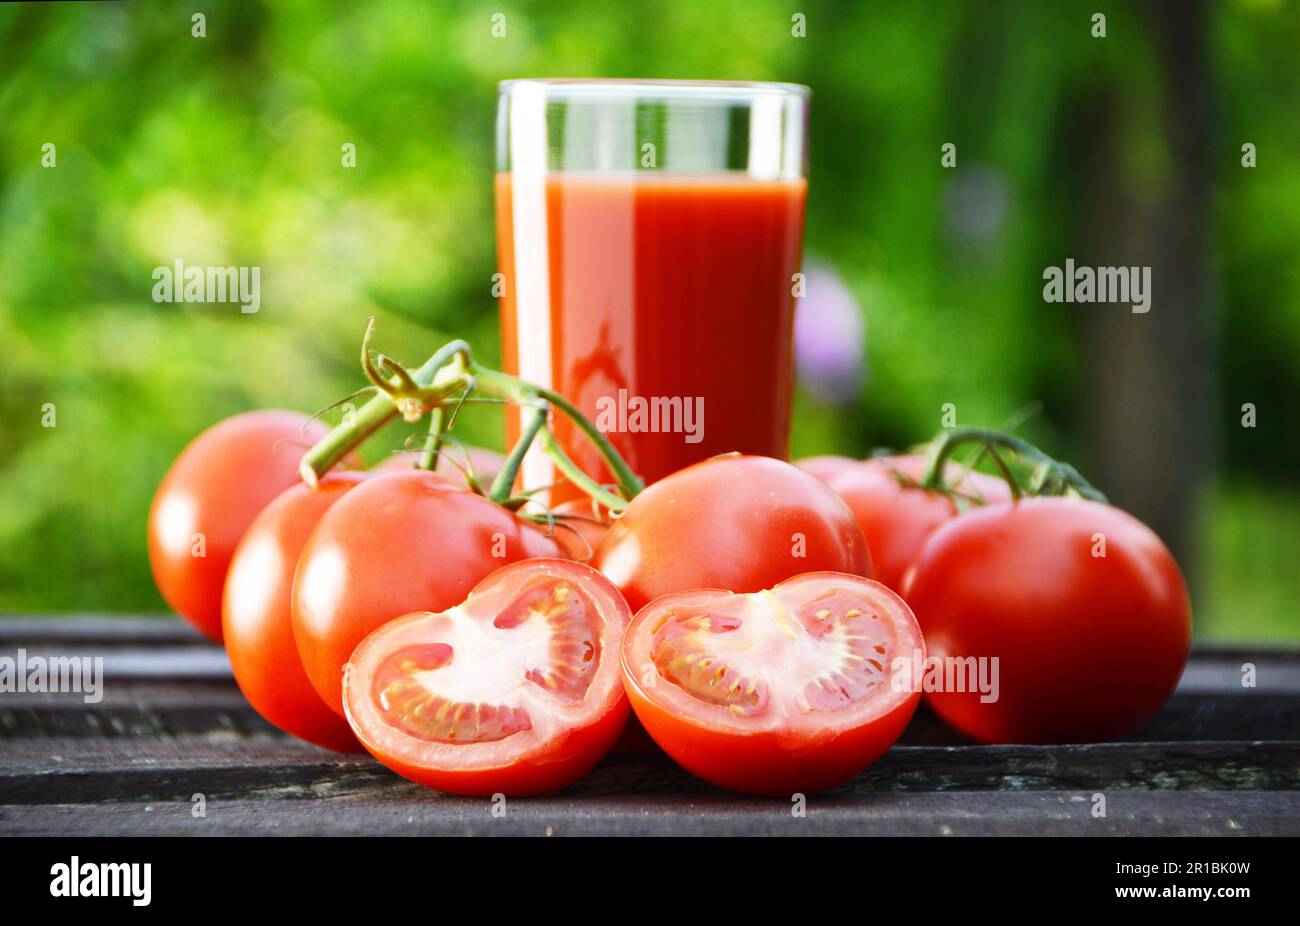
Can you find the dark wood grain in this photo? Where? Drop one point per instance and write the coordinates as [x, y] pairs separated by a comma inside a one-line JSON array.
[[81, 771], [1024, 813], [1220, 759], [193, 704]]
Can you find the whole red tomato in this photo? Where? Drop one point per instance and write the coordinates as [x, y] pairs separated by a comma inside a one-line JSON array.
[[740, 523], [208, 498], [398, 543], [827, 466], [581, 534], [896, 518], [256, 618], [1081, 604], [453, 462]]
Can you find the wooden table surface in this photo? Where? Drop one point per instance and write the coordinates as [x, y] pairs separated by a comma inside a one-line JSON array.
[[1220, 759]]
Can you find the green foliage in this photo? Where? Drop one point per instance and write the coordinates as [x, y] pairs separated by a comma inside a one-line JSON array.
[[226, 150]]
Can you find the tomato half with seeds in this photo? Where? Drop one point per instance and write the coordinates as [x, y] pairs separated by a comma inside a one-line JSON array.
[[791, 690], [516, 690], [397, 543]]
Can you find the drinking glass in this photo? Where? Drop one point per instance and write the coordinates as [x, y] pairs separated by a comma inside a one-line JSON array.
[[649, 237]]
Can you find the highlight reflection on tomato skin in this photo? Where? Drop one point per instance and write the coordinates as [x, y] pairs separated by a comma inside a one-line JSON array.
[[733, 521]]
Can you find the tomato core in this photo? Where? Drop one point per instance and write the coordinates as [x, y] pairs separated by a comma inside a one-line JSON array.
[[722, 659], [547, 637], [789, 689]]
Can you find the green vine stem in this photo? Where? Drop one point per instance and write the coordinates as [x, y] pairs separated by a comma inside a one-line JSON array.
[[526, 393], [433, 442], [383, 408], [575, 475], [1051, 476], [431, 388], [505, 479]]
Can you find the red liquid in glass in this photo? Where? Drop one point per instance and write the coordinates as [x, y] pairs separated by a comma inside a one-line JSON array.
[[634, 290]]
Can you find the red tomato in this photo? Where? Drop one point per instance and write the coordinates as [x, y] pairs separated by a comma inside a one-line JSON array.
[[742, 523], [256, 618], [791, 690], [451, 464], [397, 543], [1089, 646], [517, 690], [582, 535], [827, 466], [897, 519], [208, 498]]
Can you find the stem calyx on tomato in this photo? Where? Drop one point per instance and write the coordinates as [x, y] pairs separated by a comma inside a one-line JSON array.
[[449, 379], [1049, 476]]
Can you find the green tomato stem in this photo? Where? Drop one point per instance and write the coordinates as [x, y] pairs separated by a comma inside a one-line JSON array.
[[498, 383], [369, 418], [428, 389], [433, 442], [575, 474], [505, 479], [1051, 476]]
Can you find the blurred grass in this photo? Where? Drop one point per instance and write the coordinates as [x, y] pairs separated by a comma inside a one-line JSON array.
[[225, 150], [1253, 548]]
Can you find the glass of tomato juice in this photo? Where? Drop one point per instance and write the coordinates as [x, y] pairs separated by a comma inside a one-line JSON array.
[[649, 237]]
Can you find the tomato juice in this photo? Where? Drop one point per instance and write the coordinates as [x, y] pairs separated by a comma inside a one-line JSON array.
[[660, 303]]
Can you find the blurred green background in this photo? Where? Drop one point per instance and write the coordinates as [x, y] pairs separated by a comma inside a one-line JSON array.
[[225, 150]]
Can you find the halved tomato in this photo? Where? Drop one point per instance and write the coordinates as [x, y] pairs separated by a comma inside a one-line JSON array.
[[397, 543], [788, 690], [515, 691]]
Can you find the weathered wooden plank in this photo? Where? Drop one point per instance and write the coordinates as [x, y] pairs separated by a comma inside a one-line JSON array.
[[172, 724], [82, 771], [174, 707], [134, 708], [1187, 717], [1219, 671], [872, 814], [168, 663], [97, 629]]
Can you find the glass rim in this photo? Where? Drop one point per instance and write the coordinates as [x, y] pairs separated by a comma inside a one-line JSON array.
[[624, 87]]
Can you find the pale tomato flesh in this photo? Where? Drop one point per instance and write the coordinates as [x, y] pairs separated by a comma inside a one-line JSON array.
[[786, 690], [516, 690]]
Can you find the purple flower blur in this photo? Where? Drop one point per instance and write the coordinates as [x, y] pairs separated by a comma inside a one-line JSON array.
[[829, 338]]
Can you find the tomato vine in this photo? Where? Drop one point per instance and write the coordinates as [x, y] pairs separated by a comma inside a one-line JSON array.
[[449, 379]]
